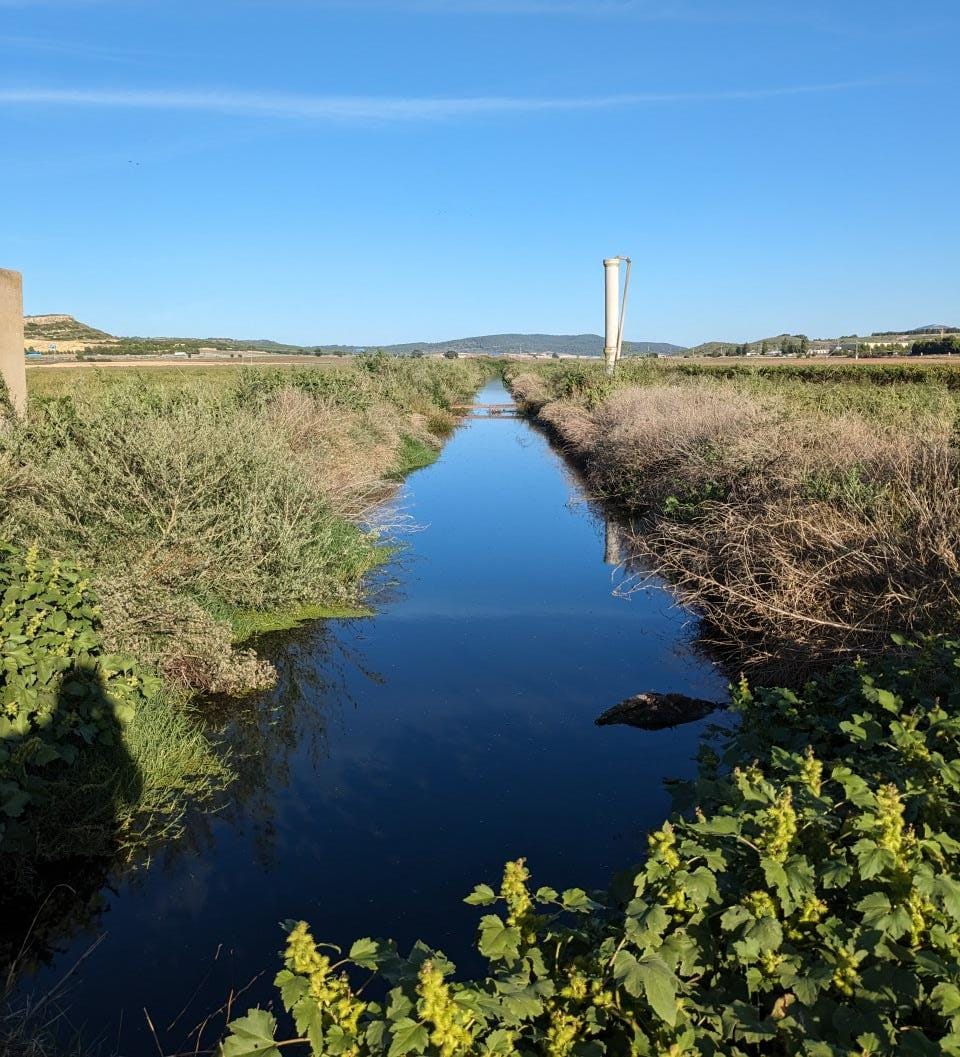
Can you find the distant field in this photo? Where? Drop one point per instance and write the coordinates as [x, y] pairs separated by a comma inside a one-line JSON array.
[[53, 380], [773, 361]]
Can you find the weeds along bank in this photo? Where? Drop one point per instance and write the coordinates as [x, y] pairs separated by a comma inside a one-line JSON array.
[[149, 523], [807, 513]]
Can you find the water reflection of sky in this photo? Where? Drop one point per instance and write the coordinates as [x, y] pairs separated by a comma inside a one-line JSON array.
[[405, 757]]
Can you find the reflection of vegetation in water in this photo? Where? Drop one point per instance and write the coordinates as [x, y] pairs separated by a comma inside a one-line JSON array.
[[261, 737], [96, 761], [258, 736]]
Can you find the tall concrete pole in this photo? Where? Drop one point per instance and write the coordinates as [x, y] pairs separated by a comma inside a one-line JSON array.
[[611, 286], [12, 364]]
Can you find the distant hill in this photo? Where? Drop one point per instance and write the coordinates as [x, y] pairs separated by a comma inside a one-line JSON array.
[[61, 328], [713, 348], [72, 335], [500, 344], [930, 328]]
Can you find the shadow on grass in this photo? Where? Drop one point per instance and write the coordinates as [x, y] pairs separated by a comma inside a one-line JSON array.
[[57, 853]]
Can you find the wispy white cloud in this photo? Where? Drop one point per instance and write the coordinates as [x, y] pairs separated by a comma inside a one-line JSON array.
[[646, 8], [389, 108], [704, 11], [653, 8], [81, 50]]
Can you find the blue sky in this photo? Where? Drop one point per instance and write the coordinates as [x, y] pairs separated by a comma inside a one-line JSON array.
[[370, 171]]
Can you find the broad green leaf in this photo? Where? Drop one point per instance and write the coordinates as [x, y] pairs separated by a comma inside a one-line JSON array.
[[875, 908], [377, 1036], [887, 700], [700, 885], [661, 987], [252, 1036], [498, 940], [502, 1042], [949, 890], [335, 1042], [309, 1020], [734, 918], [945, 999], [481, 896], [521, 1006], [626, 970], [766, 933], [872, 859], [14, 802], [399, 1005], [364, 953], [648, 976], [292, 987], [408, 1037], [577, 900]]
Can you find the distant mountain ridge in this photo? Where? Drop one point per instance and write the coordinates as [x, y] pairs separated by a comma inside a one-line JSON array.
[[70, 335], [54, 328], [500, 344]]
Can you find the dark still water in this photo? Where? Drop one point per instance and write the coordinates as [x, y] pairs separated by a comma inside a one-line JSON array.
[[405, 757]]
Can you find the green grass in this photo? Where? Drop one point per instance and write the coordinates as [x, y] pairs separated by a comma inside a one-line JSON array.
[[117, 800], [414, 454], [64, 380]]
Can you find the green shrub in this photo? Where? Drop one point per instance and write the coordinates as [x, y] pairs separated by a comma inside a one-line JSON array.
[[60, 691], [807, 902], [200, 493]]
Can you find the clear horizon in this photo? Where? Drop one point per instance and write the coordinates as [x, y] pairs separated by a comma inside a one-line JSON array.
[[391, 171]]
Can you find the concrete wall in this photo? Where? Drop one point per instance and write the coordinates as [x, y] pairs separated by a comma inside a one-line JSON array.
[[12, 365]]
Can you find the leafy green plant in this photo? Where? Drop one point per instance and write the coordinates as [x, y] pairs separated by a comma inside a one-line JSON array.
[[60, 691], [806, 902], [688, 506]]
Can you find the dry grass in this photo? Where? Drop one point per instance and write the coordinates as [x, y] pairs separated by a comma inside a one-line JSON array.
[[802, 529], [191, 502]]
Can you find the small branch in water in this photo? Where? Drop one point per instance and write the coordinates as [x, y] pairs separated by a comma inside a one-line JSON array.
[[653, 711]]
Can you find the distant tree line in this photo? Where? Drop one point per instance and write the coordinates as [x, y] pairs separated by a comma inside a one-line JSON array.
[[945, 346]]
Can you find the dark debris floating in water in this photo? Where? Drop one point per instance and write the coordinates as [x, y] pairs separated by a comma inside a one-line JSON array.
[[652, 711]]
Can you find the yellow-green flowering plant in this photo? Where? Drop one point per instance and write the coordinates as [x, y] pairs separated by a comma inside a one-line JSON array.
[[803, 899]]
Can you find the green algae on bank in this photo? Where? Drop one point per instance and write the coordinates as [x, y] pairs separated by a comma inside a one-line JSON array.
[[413, 454], [249, 623]]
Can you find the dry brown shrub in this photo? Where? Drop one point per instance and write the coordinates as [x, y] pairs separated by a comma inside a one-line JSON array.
[[529, 389], [801, 537], [661, 440], [799, 579], [341, 452], [439, 423], [574, 425]]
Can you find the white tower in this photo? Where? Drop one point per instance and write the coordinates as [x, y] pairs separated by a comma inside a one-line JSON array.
[[615, 311]]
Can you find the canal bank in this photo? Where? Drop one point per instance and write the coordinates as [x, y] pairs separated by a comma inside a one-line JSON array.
[[403, 757]]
